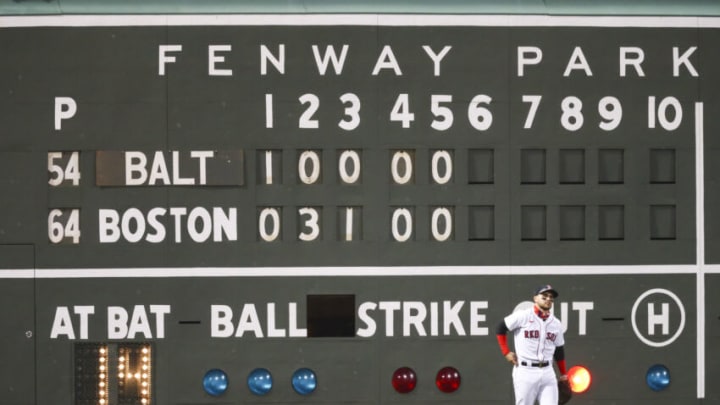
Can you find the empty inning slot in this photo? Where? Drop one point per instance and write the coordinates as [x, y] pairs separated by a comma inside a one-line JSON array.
[[571, 168], [481, 166], [481, 222], [533, 222], [532, 166], [662, 166], [611, 166], [611, 222], [572, 222], [662, 222]]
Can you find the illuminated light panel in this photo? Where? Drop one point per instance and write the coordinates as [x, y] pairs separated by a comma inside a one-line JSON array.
[[304, 381], [215, 382], [658, 377], [260, 381], [579, 378], [404, 380], [448, 379], [92, 381], [103, 385], [134, 373]]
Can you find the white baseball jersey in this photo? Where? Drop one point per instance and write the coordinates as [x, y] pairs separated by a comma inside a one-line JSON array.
[[535, 338]]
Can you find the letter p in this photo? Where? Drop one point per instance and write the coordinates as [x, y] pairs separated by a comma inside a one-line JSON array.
[[527, 55], [65, 108]]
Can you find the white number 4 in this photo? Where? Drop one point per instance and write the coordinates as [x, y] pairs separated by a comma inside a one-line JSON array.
[[401, 111]]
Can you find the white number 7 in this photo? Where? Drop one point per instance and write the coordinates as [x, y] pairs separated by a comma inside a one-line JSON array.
[[534, 104]]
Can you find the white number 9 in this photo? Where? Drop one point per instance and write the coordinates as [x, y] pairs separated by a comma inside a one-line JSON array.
[[610, 110]]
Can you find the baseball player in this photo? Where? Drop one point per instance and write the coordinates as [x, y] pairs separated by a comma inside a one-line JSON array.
[[538, 337]]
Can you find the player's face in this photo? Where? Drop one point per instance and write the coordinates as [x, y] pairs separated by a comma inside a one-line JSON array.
[[544, 301]]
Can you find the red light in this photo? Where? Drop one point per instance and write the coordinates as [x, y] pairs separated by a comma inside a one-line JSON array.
[[404, 380], [579, 379], [448, 380]]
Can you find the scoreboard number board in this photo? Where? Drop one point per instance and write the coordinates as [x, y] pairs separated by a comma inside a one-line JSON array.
[[175, 185], [463, 145]]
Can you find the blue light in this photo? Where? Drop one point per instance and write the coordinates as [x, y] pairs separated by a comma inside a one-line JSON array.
[[658, 377], [215, 382], [260, 381], [304, 381]]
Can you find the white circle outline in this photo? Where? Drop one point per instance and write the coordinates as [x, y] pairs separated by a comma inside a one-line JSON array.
[[682, 317]]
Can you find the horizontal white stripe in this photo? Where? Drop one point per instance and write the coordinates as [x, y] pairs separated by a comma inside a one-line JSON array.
[[29, 273], [170, 272], [711, 268], [356, 19]]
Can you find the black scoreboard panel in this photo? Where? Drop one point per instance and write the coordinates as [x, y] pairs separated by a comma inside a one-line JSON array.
[[161, 183]]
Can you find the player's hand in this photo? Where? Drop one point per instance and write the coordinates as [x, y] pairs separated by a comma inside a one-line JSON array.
[[512, 358], [563, 377]]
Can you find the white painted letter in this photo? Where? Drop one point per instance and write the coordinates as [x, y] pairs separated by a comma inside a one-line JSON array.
[[577, 61], [663, 318], [213, 60], [476, 318], [221, 321], [436, 58], [679, 60], [523, 60], [117, 322], [65, 108], [330, 56], [266, 55], [62, 325], [387, 60], [635, 61], [164, 59], [370, 325]]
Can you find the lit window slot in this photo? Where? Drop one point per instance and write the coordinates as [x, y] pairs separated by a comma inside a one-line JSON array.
[[113, 374], [134, 374], [103, 384], [145, 397]]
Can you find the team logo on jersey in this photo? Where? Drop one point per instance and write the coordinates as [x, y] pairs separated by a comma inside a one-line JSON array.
[[535, 334], [532, 334]]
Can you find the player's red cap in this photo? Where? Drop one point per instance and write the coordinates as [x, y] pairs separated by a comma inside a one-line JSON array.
[[546, 288]]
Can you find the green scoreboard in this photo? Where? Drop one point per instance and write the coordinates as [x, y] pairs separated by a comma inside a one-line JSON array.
[[352, 194]]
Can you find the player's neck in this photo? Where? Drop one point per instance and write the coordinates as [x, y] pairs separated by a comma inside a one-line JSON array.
[[539, 312]]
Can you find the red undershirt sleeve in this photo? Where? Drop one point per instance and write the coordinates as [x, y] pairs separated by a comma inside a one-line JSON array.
[[501, 334], [560, 359], [502, 341], [562, 367]]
